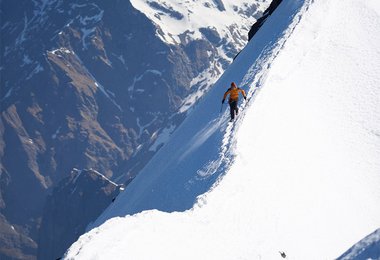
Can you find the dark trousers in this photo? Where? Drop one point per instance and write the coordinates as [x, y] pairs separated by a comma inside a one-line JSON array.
[[233, 108]]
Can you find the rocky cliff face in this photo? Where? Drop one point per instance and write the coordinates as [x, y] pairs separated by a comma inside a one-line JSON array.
[[257, 25], [15, 242], [76, 201], [96, 84]]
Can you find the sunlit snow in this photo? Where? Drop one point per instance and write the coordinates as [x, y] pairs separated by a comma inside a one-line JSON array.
[[298, 172]]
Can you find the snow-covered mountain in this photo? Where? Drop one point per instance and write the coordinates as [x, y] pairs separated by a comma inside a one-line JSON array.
[[179, 22], [97, 84], [220, 26], [297, 173], [367, 248]]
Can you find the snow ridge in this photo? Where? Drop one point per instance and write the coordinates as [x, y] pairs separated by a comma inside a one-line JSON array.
[[300, 167], [211, 142]]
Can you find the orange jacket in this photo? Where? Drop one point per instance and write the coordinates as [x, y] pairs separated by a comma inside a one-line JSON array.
[[234, 94]]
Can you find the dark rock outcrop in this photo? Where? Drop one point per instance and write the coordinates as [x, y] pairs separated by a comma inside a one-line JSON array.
[[256, 26]]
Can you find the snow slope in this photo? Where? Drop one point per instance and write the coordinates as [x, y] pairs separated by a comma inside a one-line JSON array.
[[298, 172]]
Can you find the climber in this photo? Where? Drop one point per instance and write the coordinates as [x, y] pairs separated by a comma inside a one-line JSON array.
[[233, 91]]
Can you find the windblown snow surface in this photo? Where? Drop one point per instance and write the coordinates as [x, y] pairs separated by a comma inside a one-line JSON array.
[[298, 172]]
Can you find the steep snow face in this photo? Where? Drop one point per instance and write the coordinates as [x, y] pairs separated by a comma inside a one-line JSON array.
[[187, 18], [300, 166]]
